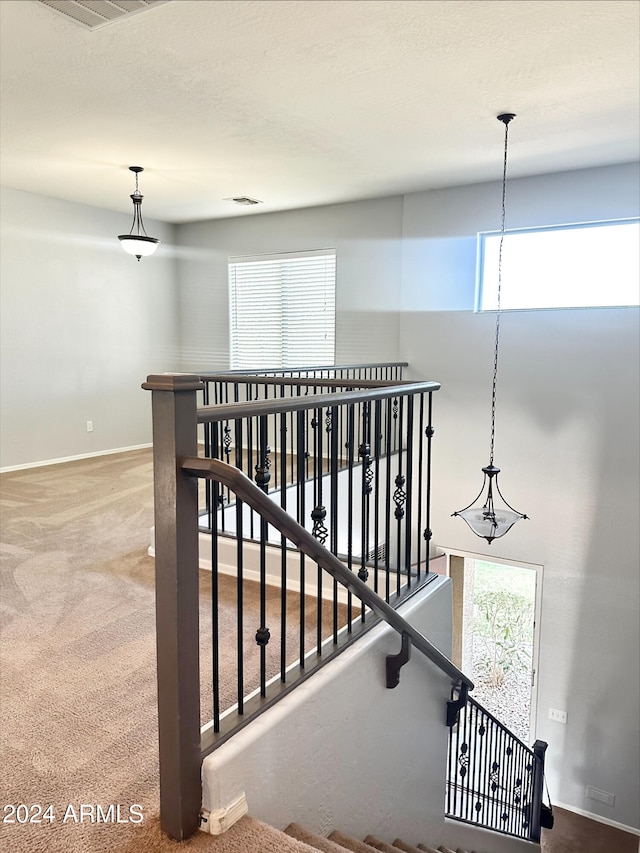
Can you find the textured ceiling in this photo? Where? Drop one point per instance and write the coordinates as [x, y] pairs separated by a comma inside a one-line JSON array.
[[307, 102]]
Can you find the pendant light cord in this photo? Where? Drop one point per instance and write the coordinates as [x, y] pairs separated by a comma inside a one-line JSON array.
[[506, 118]]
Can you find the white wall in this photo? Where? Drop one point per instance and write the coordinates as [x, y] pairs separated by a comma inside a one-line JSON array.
[[567, 443], [82, 326], [367, 238], [305, 759]]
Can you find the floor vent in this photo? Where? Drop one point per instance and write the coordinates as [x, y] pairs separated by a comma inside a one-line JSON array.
[[380, 552], [98, 13]]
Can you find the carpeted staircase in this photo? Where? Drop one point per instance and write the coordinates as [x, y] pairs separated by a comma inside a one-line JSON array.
[[337, 842], [253, 836]]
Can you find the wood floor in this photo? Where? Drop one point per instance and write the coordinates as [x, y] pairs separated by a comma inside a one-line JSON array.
[[574, 833]]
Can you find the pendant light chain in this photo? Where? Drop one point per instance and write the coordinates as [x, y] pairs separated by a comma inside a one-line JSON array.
[[489, 515], [506, 118]]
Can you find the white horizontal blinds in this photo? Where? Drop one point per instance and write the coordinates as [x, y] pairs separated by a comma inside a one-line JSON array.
[[256, 315], [309, 310], [283, 309]]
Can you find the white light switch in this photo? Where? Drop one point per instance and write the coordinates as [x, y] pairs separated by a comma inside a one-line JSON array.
[[558, 716]]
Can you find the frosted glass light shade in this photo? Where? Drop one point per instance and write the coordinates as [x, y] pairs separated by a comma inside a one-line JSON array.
[[490, 525], [138, 245]]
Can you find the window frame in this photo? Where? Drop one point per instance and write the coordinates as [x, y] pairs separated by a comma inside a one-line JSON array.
[[574, 226], [285, 341]]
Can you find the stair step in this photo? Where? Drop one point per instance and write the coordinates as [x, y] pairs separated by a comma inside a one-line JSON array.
[[426, 849], [372, 841], [249, 835], [407, 848], [351, 843], [325, 845]]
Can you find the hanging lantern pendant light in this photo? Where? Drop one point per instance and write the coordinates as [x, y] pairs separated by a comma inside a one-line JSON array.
[[485, 517], [138, 243]]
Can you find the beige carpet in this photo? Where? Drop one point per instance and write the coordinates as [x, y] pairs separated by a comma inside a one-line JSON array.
[[77, 677], [77, 688]]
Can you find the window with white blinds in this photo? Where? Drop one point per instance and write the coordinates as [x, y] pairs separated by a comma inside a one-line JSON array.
[[282, 309]]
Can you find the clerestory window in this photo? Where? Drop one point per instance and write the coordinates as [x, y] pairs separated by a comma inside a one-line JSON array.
[[587, 265]]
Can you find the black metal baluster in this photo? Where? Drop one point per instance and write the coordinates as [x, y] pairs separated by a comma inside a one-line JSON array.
[[408, 527], [502, 778], [262, 480], [364, 453], [283, 550], [478, 792], [508, 814], [215, 639], [490, 731], [399, 496], [418, 526], [350, 440], [387, 515], [474, 743], [206, 392], [238, 429], [450, 781], [333, 527], [466, 746], [453, 763], [376, 500], [514, 818], [519, 792], [494, 776], [318, 516], [300, 488], [427, 531], [249, 461]]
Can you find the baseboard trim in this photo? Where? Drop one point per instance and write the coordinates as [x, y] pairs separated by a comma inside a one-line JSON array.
[[599, 818], [62, 459], [220, 820]]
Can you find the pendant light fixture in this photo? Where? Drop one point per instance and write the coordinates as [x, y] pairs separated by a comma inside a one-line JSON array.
[[485, 515], [136, 242]]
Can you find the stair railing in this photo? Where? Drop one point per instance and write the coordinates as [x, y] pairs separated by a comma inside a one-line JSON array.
[[183, 740], [494, 780], [359, 451], [177, 471]]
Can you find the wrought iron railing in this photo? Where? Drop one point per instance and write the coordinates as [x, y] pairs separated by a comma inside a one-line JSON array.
[[344, 588], [494, 780], [352, 467]]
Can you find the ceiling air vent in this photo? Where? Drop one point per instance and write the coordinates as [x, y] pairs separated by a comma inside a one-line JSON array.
[[244, 199], [98, 13]]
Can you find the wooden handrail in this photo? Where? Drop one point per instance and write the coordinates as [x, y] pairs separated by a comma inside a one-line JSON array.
[[253, 408], [233, 478]]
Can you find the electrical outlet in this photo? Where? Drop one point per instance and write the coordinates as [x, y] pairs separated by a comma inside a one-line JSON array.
[[601, 796], [558, 716], [89, 426]]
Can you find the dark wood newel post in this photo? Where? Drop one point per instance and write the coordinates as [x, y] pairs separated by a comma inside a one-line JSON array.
[[177, 629], [539, 749]]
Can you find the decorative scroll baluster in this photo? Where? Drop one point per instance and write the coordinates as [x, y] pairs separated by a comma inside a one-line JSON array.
[[226, 441], [263, 474], [364, 454], [495, 780], [399, 497], [320, 530]]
